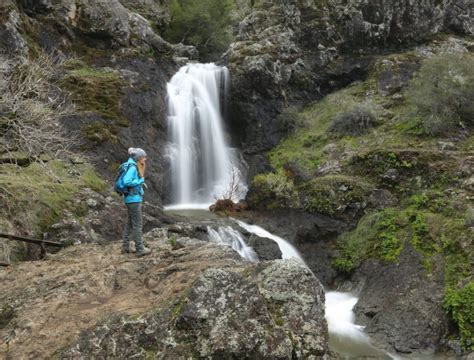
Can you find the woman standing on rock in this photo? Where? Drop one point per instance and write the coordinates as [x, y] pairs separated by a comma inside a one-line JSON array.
[[134, 179]]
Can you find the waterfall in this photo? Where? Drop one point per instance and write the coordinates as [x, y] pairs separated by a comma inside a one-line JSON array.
[[203, 166]]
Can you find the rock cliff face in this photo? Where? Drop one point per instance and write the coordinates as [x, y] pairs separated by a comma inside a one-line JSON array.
[[189, 298], [290, 53], [114, 41]]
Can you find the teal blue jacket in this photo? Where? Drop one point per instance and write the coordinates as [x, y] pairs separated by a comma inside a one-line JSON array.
[[133, 180]]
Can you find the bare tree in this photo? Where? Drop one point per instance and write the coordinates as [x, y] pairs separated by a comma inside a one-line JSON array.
[[234, 188], [32, 105]]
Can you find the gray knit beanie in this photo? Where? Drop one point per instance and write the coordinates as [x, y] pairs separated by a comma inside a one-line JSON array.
[[136, 153]]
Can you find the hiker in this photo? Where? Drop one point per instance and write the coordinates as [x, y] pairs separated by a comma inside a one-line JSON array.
[[133, 180]]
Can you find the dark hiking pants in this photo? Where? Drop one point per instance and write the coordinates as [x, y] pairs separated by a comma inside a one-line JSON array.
[[133, 228]]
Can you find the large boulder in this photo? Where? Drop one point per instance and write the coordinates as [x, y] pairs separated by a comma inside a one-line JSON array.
[[270, 312], [196, 299]]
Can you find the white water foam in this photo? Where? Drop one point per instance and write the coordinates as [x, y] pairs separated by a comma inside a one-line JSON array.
[[229, 236], [288, 251], [187, 207]]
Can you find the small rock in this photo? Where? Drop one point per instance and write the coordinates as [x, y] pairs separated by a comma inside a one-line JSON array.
[[343, 188], [77, 160], [92, 203], [468, 184], [391, 175], [446, 145]]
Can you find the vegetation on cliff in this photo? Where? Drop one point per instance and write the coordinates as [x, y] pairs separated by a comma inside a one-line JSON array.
[[206, 24], [401, 154]]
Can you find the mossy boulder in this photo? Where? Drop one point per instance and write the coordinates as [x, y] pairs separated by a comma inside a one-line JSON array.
[[338, 196], [272, 191]]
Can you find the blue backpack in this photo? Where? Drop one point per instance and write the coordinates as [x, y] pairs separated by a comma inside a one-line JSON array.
[[119, 186]]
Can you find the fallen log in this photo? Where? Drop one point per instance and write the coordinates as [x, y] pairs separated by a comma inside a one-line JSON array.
[[4, 264], [32, 241]]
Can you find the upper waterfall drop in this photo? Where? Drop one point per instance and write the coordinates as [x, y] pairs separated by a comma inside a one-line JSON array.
[[202, 164]]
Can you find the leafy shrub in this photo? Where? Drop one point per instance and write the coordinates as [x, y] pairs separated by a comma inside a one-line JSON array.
[[442, 94], [334, 194], [380, 235], [206, 24], [353, 122], [459, 304], [271, 191]]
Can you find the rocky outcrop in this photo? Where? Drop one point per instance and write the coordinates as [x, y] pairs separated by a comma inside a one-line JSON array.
[[287, 54], [392, 296], [312, 234], [112, 37], [195, 299]]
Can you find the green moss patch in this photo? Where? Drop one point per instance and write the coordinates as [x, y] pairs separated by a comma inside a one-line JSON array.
[[459, 304], [36, 195], [99, 132], [96, 90], [381, 235], [333, 194], [272, 191]]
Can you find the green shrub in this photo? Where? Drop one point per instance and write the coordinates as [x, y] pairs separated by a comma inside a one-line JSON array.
[[442, 94], [459, 304], [380, 235], [206, 24], [333, 194], [272, 191], [356, 121]]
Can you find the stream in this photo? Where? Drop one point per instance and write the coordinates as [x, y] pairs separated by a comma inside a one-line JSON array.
[[205, 168]]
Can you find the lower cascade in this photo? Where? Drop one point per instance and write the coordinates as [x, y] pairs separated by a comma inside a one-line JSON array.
[[203, 166], [229, 236]]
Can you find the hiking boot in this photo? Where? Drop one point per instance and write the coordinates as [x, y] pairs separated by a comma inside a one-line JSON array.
[[144, 251], [125, 250]]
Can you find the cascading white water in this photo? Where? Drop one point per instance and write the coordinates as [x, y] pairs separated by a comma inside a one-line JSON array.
[[229, 236], [203, 166], [287, 250]]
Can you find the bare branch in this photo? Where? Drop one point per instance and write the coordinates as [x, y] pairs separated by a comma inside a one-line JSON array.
[[32, 105]]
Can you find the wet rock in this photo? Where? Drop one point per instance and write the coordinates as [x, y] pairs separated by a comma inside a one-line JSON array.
[[10, 36], [311, 234], [266, 249], [391, 176], [402, 311], [394, 74]]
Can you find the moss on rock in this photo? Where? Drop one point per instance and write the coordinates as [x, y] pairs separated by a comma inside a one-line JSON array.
[[334, 194], [37, 195], [272, 191], [96, 90]]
